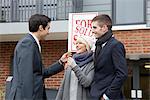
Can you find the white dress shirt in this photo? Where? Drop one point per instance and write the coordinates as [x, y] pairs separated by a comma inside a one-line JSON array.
[[37, 41]]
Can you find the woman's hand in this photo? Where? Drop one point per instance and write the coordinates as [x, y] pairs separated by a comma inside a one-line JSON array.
[[71, 62]]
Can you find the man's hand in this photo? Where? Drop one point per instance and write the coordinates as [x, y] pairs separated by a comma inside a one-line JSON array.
[[64, 58], [104, 97]]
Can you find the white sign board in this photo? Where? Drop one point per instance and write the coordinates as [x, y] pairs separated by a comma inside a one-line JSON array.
[[79, 24]]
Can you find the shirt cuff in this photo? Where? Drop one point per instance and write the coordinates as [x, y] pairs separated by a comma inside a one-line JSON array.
[[105, 97], [60, 62]]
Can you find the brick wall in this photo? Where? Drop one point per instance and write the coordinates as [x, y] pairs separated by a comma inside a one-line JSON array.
[[51, 51], [136, 41], [6, 50]]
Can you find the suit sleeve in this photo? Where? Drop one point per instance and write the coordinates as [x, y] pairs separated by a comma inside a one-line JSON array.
[[25, 69], [52, 69], [119, 61], [84, 79]]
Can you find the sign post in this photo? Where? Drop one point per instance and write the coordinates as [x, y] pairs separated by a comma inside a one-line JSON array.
[[79, 24]]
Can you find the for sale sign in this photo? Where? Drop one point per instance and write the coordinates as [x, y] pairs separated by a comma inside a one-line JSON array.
[[79, 24]]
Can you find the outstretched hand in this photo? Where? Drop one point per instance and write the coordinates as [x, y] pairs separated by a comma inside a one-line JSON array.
[[63, 60]]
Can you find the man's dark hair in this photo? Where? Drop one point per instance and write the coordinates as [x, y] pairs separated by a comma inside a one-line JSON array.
[[103, 19], [36, 20]]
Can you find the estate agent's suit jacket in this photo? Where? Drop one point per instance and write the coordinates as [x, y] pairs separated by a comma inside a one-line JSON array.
[[110, 71], [29, 73]]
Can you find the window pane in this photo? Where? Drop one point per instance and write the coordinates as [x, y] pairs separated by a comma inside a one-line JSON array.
[[129, 11]]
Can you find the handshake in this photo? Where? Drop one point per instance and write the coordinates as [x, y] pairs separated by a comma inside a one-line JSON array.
[[67, 60]]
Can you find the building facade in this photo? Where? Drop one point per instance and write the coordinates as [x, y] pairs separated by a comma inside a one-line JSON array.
[[131, 25]]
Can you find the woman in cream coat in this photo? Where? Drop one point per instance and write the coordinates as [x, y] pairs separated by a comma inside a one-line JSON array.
[[79, 73]]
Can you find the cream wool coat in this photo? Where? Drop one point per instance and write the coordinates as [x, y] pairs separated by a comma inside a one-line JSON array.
[[85, 76]]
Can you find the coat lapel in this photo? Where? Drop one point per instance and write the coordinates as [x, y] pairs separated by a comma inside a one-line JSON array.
[[101, 57]]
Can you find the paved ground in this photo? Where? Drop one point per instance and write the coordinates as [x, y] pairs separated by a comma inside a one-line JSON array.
[[51, 94]]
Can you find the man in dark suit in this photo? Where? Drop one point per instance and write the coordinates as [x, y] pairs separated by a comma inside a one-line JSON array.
[[109, 61], [29, 73]]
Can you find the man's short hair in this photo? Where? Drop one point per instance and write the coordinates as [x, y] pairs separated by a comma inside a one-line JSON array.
[[103, 19], [36, 20]]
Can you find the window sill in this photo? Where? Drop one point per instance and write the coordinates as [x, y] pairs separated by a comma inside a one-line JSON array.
[[130, 27]]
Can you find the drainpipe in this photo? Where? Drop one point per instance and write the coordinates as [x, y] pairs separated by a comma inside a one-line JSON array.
[[39, 6], [77, 6], [136, 74], [0, 10], [14, 10]]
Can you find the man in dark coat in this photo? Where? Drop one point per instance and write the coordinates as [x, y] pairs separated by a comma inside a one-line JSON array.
[[109, 61], [29, 73]]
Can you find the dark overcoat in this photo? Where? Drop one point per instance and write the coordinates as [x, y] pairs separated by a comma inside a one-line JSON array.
[[29, 73], [110, 71]]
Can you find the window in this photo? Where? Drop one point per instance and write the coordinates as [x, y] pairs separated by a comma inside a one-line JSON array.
[[129, 11]]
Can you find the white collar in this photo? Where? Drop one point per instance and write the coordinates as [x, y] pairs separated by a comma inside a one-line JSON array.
[[106, 42], [37, 41]]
